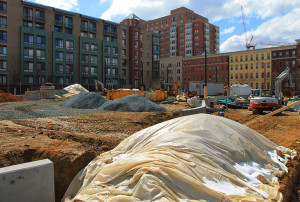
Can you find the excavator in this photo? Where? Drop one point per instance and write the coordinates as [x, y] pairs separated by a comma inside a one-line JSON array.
[[263, 99], [173, 89], [99, 87]]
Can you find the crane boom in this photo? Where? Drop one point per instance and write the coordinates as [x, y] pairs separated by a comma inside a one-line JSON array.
[[250, 44]]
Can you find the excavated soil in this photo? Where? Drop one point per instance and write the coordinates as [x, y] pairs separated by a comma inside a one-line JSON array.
[[71, 142]]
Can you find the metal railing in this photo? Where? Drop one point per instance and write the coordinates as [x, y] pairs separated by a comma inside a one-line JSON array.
[[58, 23], [27, 17], [40, 19], [69, 24]]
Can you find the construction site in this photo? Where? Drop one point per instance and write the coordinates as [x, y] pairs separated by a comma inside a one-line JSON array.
[[75, 127]]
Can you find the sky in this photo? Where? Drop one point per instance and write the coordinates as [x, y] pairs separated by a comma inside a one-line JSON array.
[[266, 21]]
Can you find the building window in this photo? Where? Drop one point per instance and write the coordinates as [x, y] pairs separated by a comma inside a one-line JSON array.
[[69, 69], [28, 39], [59, 68], [3, 7], [69, 44], [69, 57], [68, 22], [28, 53], [107, 60], [27, 24], [27, 13], [59, 43], [94, 48], [94, 71], [115, 61], [115, 51], [124, 63], [123, 32], [59, 56], [3, 65], [40, 16], [107, 49], [41, 40], [68, 31], [57, 29], [3, 21], [84, 34], [136, 53], [85, 70], [40, 67], [123, 42], [58, 20], [40, 54], [92, 27], [85, 58], [262, 56], [94, 59], [39, 26], [136, 34], [85, 46], [286, 53], [3, 50], [28, 67], [123, 52]]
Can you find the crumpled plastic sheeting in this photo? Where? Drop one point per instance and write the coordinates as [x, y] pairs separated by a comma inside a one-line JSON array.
[[75, 88], [195, 157]]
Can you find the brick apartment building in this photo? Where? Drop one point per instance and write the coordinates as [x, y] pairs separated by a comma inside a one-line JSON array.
[[41, 44], [193, 69], [182, 33]]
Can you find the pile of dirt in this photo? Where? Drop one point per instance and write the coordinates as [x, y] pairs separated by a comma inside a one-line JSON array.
[[8, 97], [84, 100], [132, 103]]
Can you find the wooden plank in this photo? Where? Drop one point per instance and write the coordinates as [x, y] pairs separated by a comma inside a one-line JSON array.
[[272, 113]]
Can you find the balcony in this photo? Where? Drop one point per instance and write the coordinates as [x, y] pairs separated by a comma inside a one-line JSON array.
[[68, 24], [84, 28], [58, 23], [28, 17], [93, 29], [106, 32], [40, 19], [114, 33]]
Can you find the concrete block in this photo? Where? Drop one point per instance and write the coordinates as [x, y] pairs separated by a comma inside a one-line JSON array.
[[33, 95], [33, 181]]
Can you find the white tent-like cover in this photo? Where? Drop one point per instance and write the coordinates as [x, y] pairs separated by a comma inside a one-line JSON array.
[[197, 157]]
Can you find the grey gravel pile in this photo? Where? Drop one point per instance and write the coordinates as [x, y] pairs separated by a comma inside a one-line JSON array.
[[84, 100], [131, 103]]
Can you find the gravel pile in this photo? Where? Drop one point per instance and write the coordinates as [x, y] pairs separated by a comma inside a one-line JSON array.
[[132, 103], [85, 100]]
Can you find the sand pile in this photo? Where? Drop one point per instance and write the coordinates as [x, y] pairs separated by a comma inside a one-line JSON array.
[[132, 103], [8, 97], [85, 100]]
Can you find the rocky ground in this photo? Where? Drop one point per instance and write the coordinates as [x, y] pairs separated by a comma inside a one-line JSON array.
[[72, 141]]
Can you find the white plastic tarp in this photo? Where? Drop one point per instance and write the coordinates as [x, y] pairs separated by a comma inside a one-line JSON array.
[[75, 88], [197, 157]]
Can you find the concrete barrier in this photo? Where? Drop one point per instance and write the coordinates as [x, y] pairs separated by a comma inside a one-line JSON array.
[[30, 182]]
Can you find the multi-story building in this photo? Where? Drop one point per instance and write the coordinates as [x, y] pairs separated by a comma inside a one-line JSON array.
[[213, 69], [41, 44], [170, 70], [252, 67], [182, 33], [143, 54]]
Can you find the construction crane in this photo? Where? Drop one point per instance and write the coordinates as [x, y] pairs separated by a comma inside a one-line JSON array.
[[248, 45], [270, 43]]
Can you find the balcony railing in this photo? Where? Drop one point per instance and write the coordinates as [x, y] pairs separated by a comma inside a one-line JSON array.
[[58, 23], [114, 33], [69, 24], [93, 29], [28, 17], [84, 28], [106, 32], [40, 19]]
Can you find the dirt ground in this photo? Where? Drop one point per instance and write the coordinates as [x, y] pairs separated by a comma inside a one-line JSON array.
[[71, 142]]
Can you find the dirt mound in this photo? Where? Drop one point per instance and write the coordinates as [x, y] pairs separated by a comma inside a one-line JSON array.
[[84, 100], [132, 103], [8, 97]]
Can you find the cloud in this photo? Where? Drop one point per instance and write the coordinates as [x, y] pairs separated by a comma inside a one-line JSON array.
[[228, 31], [278, 29], [61, 4], [145, 9], [226, 9]]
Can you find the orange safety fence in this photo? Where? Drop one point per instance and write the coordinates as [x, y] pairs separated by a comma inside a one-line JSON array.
[[156, 96]]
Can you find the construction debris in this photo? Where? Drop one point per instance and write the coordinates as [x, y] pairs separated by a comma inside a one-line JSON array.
[[84, 100], [198, 157], [8, 97]]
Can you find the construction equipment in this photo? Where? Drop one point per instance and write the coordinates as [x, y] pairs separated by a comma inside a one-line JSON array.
[[99, 86], [175, 87], [262, 100], [248, 45]]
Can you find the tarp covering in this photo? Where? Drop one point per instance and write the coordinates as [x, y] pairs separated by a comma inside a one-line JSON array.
[[197, 157], [75, 88]]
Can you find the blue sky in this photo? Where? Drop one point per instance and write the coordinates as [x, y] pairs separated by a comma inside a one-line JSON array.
[[268, 20]]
